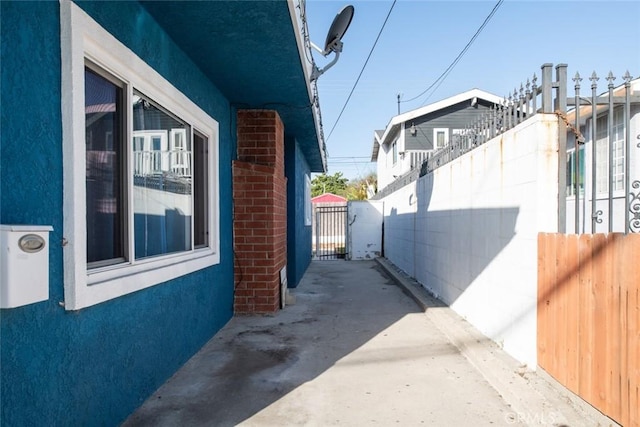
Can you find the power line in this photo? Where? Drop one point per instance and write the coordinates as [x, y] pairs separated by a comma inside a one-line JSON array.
[[362, 71], [460, 55], [352, 162]]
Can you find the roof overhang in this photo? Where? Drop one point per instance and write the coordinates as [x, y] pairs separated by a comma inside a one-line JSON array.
[[328, 198], [376, 144], [255, 54]]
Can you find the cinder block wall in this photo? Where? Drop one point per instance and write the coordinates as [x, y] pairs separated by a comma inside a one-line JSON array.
[[468, 231], [260, 212]]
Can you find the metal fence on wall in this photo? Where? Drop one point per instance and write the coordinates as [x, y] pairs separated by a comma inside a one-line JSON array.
[[515, 108], [605, 162], [613, 107]]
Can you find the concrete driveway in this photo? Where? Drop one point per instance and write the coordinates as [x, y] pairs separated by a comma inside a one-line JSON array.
[[356, 349]]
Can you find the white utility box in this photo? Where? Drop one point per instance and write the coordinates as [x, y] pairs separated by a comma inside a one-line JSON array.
[[24, 264]]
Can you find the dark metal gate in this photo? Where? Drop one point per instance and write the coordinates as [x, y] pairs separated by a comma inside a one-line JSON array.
[[330, 232]]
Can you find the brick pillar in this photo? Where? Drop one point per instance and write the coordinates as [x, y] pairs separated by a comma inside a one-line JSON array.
[[260, 212]]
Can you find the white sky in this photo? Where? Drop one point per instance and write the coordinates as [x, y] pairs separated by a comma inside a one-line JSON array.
[[422, 38]]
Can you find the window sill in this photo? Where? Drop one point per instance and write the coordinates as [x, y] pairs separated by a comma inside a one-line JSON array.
[[117, 271], [115, 281]]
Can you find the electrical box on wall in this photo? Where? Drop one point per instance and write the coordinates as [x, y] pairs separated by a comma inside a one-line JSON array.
[[24, 264]]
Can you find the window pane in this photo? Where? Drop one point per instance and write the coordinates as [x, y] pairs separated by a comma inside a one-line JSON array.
[[602, 165], [200, 191], [395, 153], [618, 149], [104, 156], [570, 175], [575, 174], [581, 171], [162, 194]]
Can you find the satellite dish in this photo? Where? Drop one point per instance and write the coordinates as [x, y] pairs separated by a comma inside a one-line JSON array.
[[333, 41], [338, 27]]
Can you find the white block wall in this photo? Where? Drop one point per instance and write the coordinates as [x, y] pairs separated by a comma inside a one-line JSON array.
[[468, 231]]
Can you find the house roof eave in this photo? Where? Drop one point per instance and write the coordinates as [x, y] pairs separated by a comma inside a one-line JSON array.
[[254, 53], [396, 121], [376, 145]]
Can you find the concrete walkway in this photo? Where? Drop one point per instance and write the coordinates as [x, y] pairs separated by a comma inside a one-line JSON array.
[[355, 349]]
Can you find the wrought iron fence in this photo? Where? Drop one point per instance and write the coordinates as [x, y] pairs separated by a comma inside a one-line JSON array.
[[398, 183], [616, 175], [330, 232]]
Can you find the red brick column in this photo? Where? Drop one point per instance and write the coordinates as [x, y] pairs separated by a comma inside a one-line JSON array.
[[260, 212]]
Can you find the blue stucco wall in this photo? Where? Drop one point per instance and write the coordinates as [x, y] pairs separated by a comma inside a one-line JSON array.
[[298, 234], [96, 365]]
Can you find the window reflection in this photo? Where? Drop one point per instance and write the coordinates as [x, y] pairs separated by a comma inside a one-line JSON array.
[[162, 180]]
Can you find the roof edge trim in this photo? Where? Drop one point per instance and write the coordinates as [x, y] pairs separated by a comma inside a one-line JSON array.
[[300, 32]]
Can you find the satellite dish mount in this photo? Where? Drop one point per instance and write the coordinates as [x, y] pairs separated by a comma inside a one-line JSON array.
[[333, 42]]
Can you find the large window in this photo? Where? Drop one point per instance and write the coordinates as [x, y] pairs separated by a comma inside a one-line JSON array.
[[140, 167], [170, 205]]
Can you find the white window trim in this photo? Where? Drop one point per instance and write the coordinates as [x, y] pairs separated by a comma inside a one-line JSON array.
[[435, 137], [82, 38]]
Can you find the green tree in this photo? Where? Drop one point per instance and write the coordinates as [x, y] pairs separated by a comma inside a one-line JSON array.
[[335, 184], [362, 188]]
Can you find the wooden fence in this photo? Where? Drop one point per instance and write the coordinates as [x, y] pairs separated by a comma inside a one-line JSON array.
[[589, 318]]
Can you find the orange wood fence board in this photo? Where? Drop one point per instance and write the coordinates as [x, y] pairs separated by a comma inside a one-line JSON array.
[[586, 339], [620, 271], [572, 298], [632, 266], [543, 316], [613, 330], [599, 283], [560, 294]]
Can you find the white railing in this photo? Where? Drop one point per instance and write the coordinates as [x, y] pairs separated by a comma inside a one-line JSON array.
[[177, 162]]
